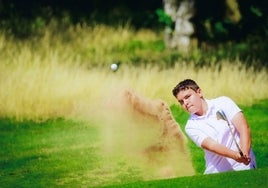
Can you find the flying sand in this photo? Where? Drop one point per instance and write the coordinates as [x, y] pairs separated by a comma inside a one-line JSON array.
[[145, 134]]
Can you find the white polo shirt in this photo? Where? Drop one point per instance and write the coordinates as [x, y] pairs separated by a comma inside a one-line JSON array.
[[200, 127]]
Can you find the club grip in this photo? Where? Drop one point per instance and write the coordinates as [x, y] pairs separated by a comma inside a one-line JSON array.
[[241, 153]]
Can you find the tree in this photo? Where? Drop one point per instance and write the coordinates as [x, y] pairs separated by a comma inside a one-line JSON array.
[[180, 13]]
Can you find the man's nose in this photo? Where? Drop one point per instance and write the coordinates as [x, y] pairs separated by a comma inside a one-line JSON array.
[[186, 102]]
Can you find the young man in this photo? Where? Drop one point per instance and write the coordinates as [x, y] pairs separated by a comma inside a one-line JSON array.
[[212, 133]]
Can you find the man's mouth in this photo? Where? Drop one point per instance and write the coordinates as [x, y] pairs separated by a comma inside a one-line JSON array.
[[188, 107]]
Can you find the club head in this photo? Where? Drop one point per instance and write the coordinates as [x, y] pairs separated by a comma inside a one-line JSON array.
[[221, 115]]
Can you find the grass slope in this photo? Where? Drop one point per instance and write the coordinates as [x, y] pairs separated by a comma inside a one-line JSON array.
[[44, 154], [256, 178], [67, 153]]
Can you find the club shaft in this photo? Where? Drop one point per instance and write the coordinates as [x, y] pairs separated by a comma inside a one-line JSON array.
[[240, 151], [223, 116]]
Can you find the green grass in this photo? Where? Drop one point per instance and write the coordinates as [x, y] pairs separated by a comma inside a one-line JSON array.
[[257, 116], [256, 178], [68, 153], [42, 154]]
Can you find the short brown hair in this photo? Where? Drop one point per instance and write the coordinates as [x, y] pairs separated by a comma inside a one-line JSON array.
[[183, 85]]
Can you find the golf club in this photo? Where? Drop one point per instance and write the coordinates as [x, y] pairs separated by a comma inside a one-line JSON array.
[[221, 115]]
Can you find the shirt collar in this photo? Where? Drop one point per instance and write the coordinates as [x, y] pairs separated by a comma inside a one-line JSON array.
[[209, 112]]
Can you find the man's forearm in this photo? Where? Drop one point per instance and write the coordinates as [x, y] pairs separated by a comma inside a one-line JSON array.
[[213, 146]]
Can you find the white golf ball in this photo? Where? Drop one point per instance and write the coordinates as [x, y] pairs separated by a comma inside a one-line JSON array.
[[114, 67]]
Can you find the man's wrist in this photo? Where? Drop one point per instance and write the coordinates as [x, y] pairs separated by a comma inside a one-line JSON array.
[[236, 155]]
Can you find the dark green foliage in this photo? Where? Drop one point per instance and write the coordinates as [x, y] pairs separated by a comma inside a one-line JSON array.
[[218, 37], [24, 18], [164, 18]]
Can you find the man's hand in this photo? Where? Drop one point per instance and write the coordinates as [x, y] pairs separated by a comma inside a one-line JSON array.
[[242, 159]]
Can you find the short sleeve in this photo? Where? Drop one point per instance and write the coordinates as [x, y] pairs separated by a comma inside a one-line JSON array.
[[229, 107], [195, 134]]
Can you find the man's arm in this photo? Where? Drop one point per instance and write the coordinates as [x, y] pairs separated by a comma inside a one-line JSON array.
[[213, 146], [240, 123]]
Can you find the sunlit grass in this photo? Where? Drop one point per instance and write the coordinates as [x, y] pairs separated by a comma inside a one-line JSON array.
[[54, 76]]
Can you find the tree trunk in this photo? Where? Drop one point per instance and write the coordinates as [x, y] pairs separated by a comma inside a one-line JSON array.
[[180, 11]]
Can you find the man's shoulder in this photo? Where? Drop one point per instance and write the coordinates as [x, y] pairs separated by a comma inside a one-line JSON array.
[[192, 121], [221, 98]]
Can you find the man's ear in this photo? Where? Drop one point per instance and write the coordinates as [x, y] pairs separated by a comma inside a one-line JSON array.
[[199, 92]]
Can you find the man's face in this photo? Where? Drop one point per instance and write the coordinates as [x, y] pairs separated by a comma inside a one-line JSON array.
[[190, 100]]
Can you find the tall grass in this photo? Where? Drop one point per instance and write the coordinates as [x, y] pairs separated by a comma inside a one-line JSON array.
[[56, 75]]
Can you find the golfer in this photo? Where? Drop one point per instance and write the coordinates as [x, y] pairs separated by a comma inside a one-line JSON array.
[[213, 134]]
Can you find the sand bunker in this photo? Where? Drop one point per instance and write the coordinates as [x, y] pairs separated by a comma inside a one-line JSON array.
[[141, 134]]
